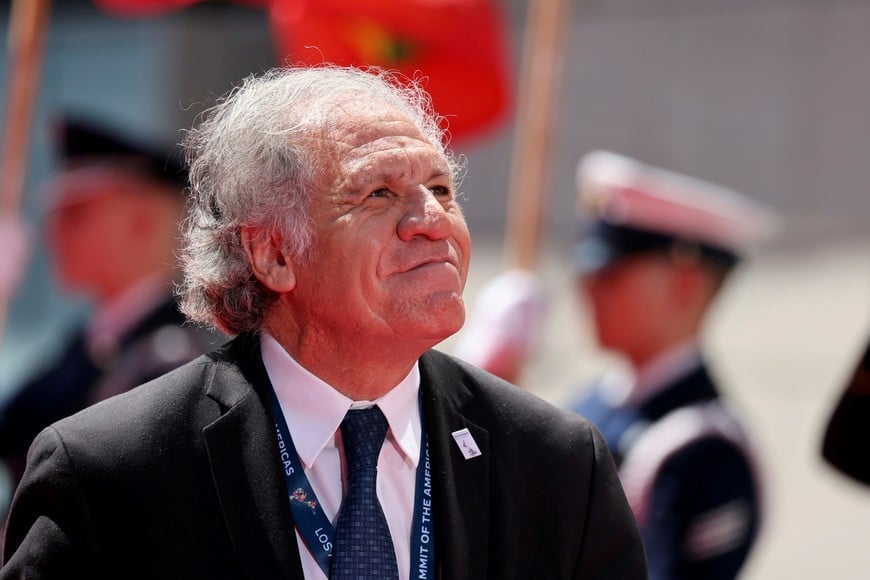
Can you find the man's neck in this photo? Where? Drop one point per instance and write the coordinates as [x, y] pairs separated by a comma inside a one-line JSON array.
[[361, 373]]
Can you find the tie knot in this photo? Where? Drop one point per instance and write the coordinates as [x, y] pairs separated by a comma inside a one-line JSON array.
[[363, 432]]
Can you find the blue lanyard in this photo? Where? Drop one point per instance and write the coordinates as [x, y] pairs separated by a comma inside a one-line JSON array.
[[316, 529]]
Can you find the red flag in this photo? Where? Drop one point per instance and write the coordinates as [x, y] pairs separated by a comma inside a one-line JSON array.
[[157, 7], [456, 48]]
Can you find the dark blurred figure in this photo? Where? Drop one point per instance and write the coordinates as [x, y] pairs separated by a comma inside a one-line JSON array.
[[112, 228], [650, 268], [848, 431]]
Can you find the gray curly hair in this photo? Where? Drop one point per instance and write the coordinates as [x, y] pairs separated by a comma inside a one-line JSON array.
[[252, 165]]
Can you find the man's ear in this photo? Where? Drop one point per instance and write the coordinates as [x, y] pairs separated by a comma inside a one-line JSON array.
[[269, 263]]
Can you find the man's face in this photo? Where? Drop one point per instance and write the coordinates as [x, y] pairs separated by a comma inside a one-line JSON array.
[[391, 245]]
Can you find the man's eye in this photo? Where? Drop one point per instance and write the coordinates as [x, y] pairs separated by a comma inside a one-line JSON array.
[[441, 191], [382, 192]]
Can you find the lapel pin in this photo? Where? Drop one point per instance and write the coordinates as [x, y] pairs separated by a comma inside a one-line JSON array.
[[466, 443]]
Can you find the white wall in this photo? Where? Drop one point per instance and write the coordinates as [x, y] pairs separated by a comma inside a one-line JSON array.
[[770, 98]]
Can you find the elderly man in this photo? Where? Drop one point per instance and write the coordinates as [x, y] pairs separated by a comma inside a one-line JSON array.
[[326, 439]]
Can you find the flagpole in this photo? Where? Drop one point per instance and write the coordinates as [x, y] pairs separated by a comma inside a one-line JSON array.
[[27, 26], [28, 21], [537, 102]]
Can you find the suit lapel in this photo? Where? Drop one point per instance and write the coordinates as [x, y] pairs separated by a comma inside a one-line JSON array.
[[461, 486], [243, 453]]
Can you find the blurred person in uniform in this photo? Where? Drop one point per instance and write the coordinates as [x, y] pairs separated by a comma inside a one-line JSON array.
[[650, 264], [847, 433], [112, 229]]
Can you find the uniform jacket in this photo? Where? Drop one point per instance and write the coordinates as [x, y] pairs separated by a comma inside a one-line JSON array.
[[180, 478], [158, 343], [706, 485]]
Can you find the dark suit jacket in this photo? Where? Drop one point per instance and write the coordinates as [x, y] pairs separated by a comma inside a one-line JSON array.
[[180, 479]]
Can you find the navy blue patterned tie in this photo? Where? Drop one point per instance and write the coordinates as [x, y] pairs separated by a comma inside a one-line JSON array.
[[363, 546]]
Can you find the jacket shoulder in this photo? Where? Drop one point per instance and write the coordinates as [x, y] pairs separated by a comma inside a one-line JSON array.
[[161, 406]]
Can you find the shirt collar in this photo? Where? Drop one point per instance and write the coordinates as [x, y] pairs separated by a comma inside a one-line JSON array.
[[314, 410]]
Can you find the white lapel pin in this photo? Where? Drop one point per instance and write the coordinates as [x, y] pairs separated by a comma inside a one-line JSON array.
[[466, 443]]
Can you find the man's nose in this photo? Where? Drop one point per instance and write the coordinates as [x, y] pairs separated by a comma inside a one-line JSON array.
[[425, 215]]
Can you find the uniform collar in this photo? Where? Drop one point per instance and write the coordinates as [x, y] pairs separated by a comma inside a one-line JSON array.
[[661, 371], [114, 319]]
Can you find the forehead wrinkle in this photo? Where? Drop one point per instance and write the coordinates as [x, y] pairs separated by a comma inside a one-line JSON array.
[[352, 120], [398, 164], [374, 145]]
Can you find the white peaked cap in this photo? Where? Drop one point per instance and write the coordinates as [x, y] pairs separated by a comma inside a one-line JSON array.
[[624, 192]]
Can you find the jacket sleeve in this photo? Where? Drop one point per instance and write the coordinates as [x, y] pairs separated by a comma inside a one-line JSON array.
[[49, 532], [612, 546]]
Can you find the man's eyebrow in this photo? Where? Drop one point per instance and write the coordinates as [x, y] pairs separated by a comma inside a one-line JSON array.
[[441, 172], [361, 176]]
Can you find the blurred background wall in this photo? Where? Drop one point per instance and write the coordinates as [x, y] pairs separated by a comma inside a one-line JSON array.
[[769, 97]]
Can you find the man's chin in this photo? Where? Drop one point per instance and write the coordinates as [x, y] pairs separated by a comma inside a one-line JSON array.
[[441, 325]]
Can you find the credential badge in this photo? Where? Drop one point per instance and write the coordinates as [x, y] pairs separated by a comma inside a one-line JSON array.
[[467, 444]]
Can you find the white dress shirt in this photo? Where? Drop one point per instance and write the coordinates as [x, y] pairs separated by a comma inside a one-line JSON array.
[[314, 411]]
